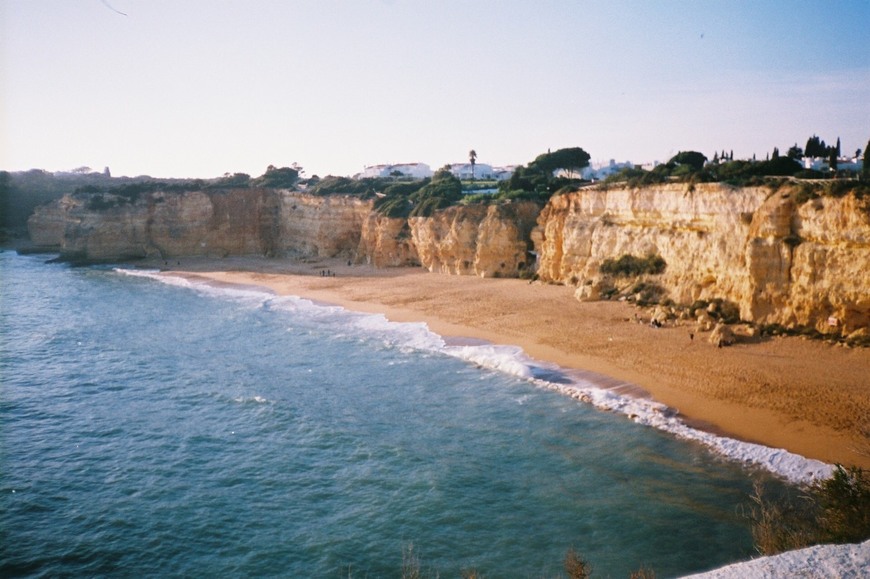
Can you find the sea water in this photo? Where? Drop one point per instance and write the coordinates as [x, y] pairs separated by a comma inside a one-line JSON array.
[[153, 426]]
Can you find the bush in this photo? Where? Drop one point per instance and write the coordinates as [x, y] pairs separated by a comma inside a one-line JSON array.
[[576, 567], [844, 500], [835, 510], [778, 525], [648, 293], [101, 203], [630, 265]]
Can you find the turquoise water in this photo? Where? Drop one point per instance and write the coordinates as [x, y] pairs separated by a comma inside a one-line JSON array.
[[156, 429]]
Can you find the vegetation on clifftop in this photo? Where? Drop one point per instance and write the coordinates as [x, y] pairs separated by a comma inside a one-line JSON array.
[[406, 200]]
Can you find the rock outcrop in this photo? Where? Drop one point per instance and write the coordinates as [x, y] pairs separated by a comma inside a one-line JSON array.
[[201, 223], [779, 261], [387, 242], [483, 240]]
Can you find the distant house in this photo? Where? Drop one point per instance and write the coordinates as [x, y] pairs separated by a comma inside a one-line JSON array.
[[413, 170], [601, 170], [503, 173], [854, 164], [463, 171]]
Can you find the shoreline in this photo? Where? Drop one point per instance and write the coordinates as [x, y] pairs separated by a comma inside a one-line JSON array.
[[809, 398]]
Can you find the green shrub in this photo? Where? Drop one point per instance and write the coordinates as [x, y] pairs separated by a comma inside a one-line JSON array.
[[647, 293], [834, 510], [101, 203], [630, 265], [844, 501]]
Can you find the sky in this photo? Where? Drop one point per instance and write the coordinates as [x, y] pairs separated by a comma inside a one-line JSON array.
[[199, 88]]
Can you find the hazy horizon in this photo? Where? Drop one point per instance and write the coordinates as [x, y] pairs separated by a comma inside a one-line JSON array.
[[198, 89]]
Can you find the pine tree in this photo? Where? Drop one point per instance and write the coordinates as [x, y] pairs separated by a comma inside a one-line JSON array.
[[865, 170], [838, 147]]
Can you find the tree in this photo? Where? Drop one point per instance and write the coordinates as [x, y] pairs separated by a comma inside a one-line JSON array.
[[838, 146], [472, 156], [832, 159], [865, 170], [278, 177], [694, 159], [795, 152], [572, 159], [235, 180], [775, 154]]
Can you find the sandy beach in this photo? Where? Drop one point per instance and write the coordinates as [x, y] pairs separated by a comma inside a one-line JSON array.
[[808, 397]]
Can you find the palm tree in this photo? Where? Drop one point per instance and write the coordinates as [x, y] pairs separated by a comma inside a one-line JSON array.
[[472, 156]]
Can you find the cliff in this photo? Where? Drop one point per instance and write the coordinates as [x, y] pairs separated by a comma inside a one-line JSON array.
[[780, 261], [770, 256], [216, 223], [475, 240], [488, 241]]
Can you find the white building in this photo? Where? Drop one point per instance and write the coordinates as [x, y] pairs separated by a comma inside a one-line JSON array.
[[463, 171], [600, 170], [843, 164], [503, 173], [413, 170]]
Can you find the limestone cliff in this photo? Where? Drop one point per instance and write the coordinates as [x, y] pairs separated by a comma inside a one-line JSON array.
[[386, 242], [779, 261], [322, 226], [484, 240], [193, 223], [488, 241]]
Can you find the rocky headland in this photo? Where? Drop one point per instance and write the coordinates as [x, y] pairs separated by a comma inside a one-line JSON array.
[[769, 256]]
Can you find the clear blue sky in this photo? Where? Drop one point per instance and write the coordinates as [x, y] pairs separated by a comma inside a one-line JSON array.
[[197, 88]]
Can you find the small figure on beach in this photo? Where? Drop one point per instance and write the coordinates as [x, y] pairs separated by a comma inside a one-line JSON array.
[[691, 336]]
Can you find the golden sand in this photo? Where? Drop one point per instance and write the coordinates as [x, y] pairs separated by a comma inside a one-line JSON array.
[[808, 397]]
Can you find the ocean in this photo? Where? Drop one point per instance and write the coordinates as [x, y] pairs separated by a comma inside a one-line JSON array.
[[158, 427]]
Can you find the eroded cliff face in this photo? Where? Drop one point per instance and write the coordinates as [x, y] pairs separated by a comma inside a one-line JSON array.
[[386, 242], [321, 226], [201, 223], [780, 262], [488, 241]]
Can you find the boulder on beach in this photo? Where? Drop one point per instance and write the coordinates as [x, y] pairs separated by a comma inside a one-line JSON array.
[[722, 335]]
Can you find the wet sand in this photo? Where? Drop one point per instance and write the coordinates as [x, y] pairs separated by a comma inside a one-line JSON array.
[[808, 397]]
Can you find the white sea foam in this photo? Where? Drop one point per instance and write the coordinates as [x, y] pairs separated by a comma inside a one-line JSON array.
[[251, 399], [512, 360]]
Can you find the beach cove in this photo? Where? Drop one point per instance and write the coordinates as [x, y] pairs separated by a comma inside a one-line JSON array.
[[807, 397]]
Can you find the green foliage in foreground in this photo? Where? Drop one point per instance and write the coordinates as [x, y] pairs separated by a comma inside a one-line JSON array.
[[835, 510]]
